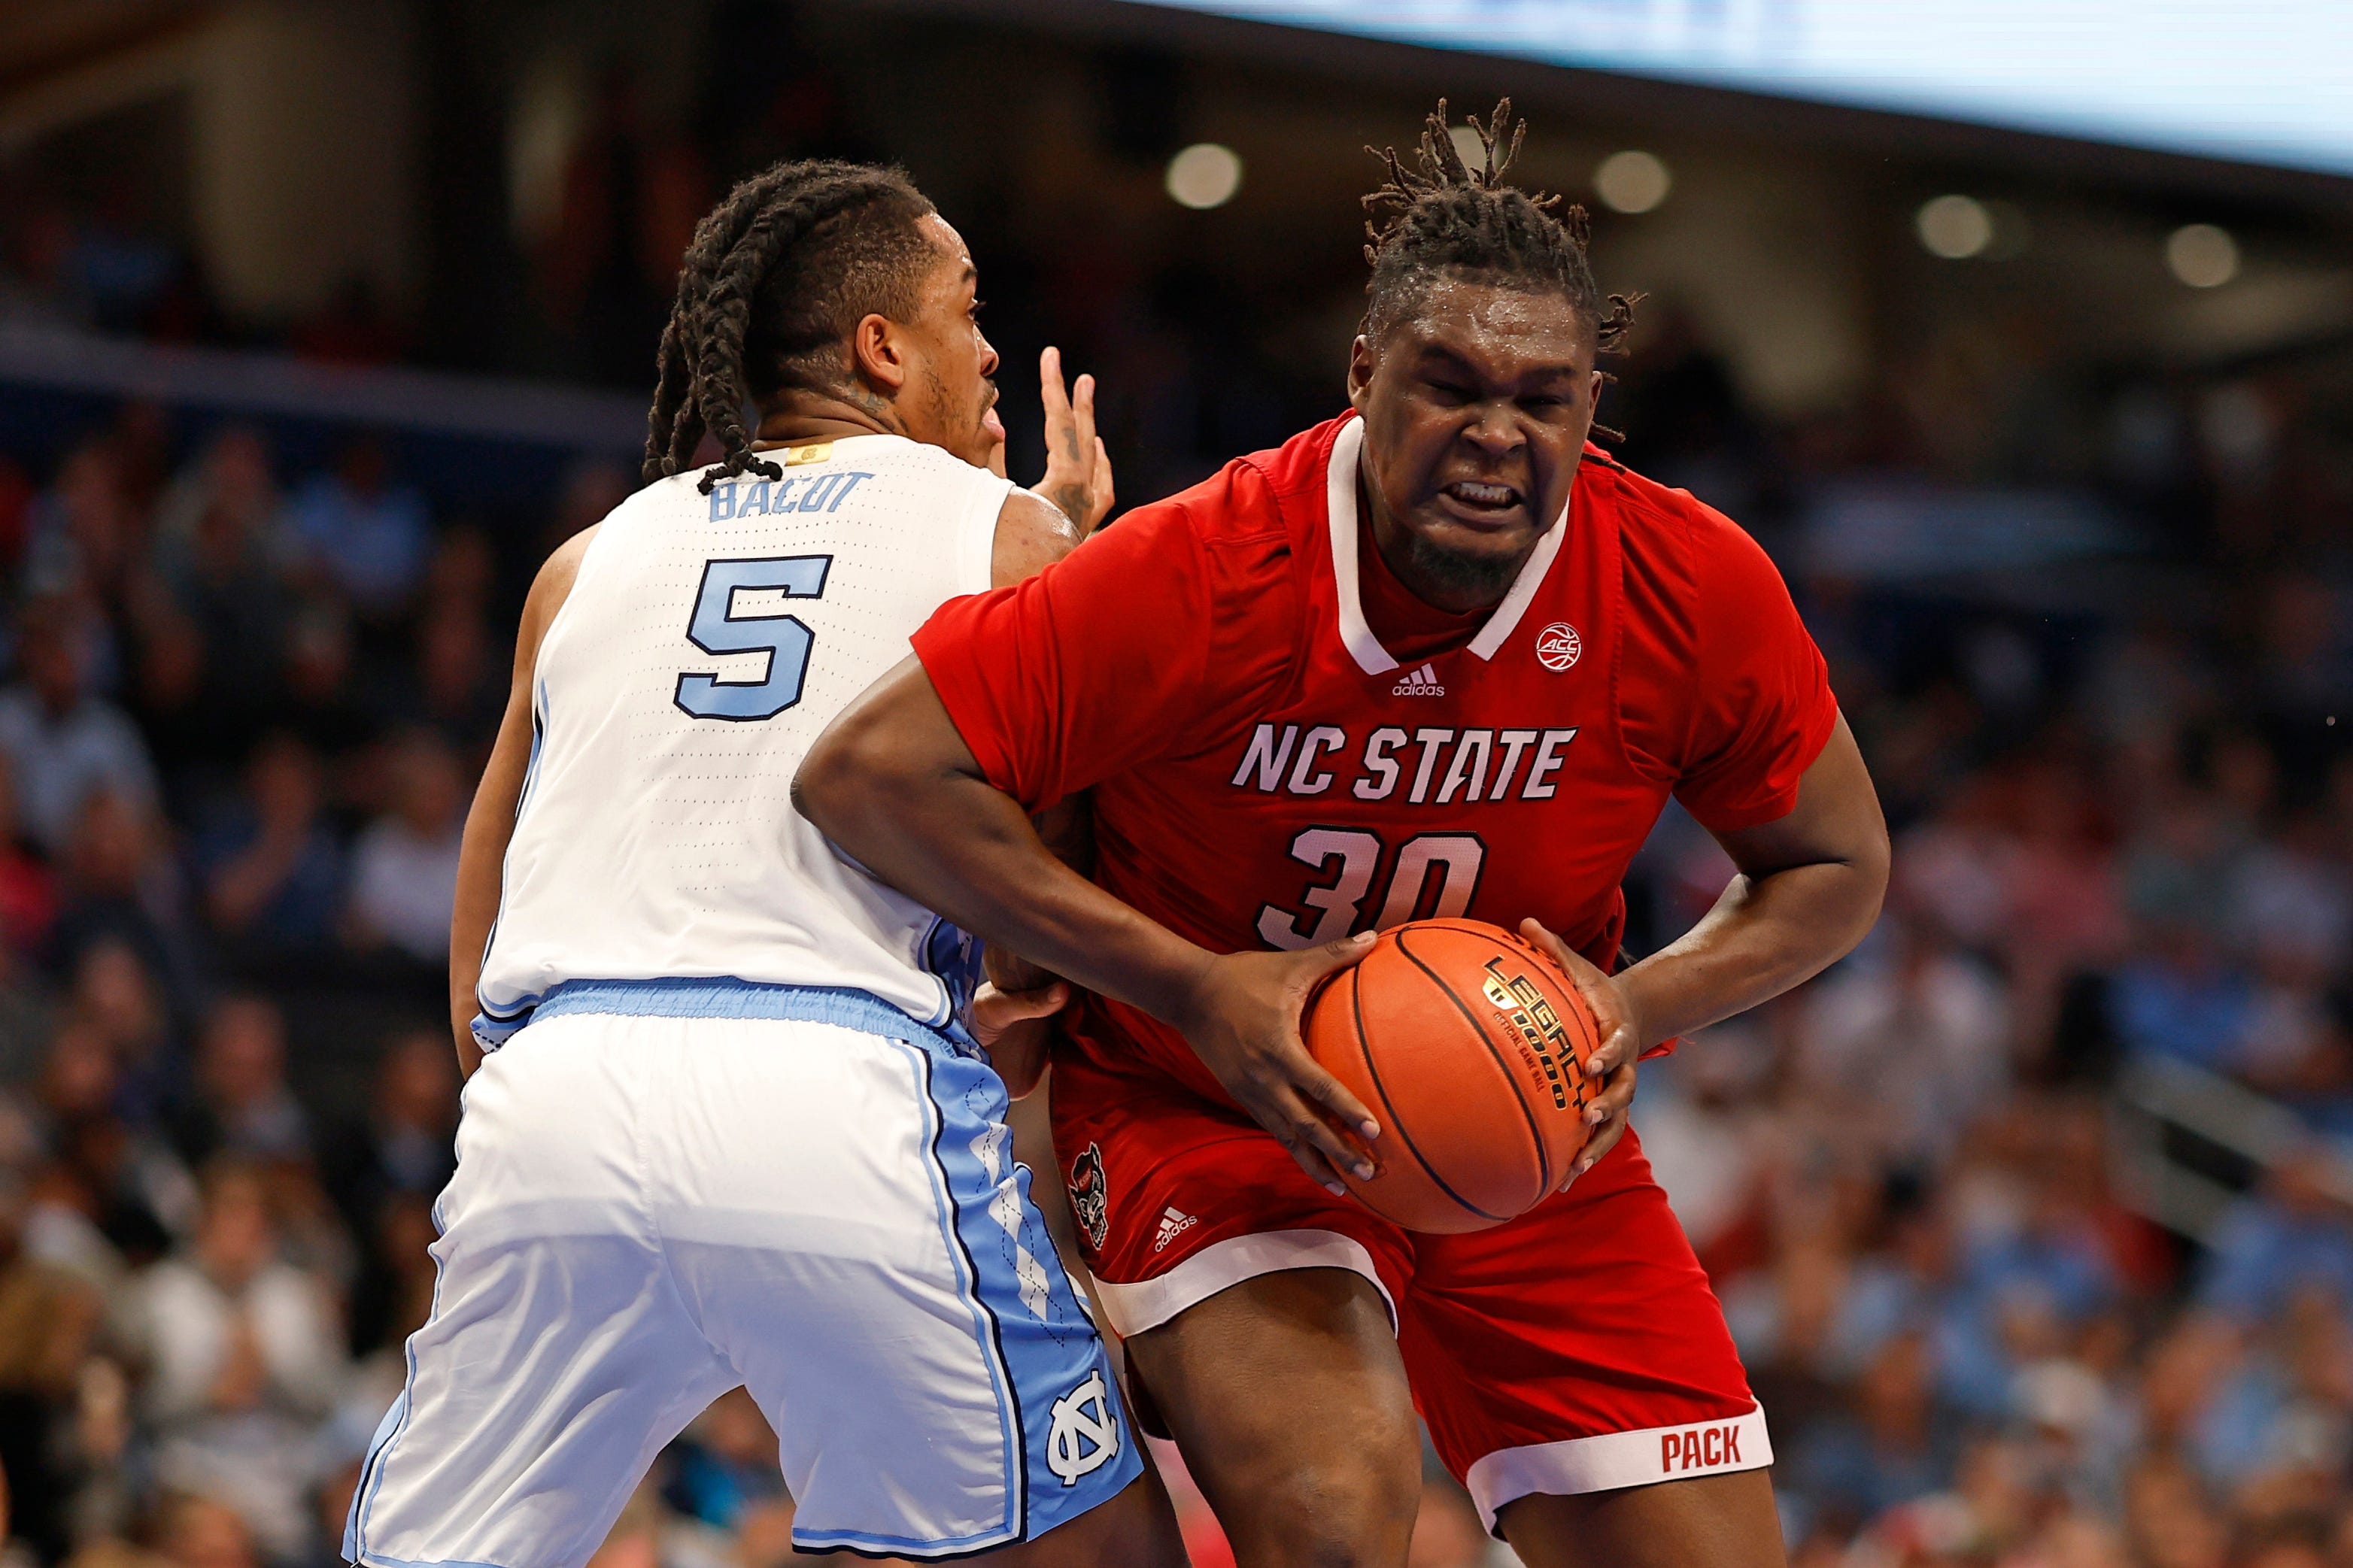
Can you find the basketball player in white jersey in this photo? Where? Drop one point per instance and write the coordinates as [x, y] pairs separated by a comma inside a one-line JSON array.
[[730, 1118]]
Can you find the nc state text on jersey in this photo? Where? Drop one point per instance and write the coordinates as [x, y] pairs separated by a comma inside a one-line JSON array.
[[1478, 764]]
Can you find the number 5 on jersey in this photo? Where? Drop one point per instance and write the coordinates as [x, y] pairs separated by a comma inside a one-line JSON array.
[[716, 628]]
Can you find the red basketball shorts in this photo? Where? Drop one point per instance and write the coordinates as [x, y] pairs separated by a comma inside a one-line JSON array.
[[1576, 1348]]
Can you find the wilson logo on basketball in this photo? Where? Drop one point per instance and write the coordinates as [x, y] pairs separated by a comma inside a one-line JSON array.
[[1523, 1004], [1558, 645]]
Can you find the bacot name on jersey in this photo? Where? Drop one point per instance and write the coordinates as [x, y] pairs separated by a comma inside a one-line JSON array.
[[1421, 766]]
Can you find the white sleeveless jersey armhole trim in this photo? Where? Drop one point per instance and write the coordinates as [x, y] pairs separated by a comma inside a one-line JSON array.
[[706, 642]]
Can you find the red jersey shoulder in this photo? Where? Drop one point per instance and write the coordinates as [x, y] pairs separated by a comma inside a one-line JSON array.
[[1686, 566], [1279, 490], [1671, 526]]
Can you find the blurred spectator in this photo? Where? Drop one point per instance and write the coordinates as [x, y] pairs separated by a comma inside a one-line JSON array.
[[117, 996], [590, 494], [1893, 1448], [223, 565], [242, 1356], [65, 744], [28, 891], [2281, 1418], [270, 865], [48, 1316], [2290, 906], [1913, 1046], [405, 1144], [121, 886], [459, 688], [200, 1532], [463, 573], [233, 487], [361, 531], [1708, 1133], [404, 868], [111, 1192], [2170, 1521], [1905, 1285], [2181, 995], [726, 1464], [321, 706], [392, 1297], [86, 532], [240, 1105], [2294, 1235]]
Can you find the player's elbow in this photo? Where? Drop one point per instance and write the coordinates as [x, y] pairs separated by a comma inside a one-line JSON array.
[[842, 768], [1867, 861]]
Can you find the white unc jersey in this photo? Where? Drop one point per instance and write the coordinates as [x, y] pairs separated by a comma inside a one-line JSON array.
[[707, 642]]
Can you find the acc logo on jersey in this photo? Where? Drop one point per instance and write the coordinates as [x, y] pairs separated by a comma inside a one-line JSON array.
[[1090, 1195], [1558, 645], [1085, 1434]]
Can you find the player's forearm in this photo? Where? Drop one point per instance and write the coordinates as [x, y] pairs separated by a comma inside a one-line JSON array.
[[1765, 935], [956, 845], [1809, 886], [480, 854], [893, 783]]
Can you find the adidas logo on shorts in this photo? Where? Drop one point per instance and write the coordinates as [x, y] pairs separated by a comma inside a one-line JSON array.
[[1174, 1223], [1422, 682]]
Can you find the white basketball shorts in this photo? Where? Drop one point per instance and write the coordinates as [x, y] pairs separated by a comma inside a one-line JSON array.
[[668, 1189]]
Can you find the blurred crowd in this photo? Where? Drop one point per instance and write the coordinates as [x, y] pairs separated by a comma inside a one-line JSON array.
[[2000, 1312], [243, 709], [2110, 989], [243, 713]]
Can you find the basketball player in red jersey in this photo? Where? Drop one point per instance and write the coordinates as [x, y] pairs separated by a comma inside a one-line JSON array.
[[1438, 657]]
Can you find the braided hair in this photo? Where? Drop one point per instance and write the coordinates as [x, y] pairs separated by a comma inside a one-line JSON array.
[[1443, 218], [777, 278]]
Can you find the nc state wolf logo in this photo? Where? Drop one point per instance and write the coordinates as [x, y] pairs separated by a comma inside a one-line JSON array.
[[1088, 1196]]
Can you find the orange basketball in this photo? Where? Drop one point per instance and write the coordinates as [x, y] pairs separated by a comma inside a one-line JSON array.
[[1468, 1046]]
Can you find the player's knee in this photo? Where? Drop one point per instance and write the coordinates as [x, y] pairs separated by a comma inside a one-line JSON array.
[[1351, 1510]]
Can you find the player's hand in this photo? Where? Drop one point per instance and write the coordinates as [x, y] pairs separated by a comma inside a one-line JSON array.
[[1078, 469], [1621, 1044], [1241, 1019], [1014, 1028]]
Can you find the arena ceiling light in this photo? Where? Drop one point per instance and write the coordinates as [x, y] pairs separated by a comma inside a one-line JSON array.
[[1632, 181], [1205, 175], [2202, 256], [1954, 227]]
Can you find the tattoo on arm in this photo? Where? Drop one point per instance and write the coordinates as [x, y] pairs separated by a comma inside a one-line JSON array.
[[1072, 499]]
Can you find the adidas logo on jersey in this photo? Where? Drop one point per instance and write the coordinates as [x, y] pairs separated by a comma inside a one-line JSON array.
[[1174, 1223], [1422, 682]]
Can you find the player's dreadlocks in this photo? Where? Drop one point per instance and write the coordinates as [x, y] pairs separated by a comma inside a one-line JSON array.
[[1444, 218], [774, 281]]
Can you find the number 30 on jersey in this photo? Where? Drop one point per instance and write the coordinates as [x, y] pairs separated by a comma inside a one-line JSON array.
[[1334, 906]]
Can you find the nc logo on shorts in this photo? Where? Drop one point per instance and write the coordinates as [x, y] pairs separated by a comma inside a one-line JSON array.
[[1085, 1434], [1089, 1196]]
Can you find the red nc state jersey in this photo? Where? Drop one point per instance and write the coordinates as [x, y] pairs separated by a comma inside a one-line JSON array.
[[1267, 774]]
